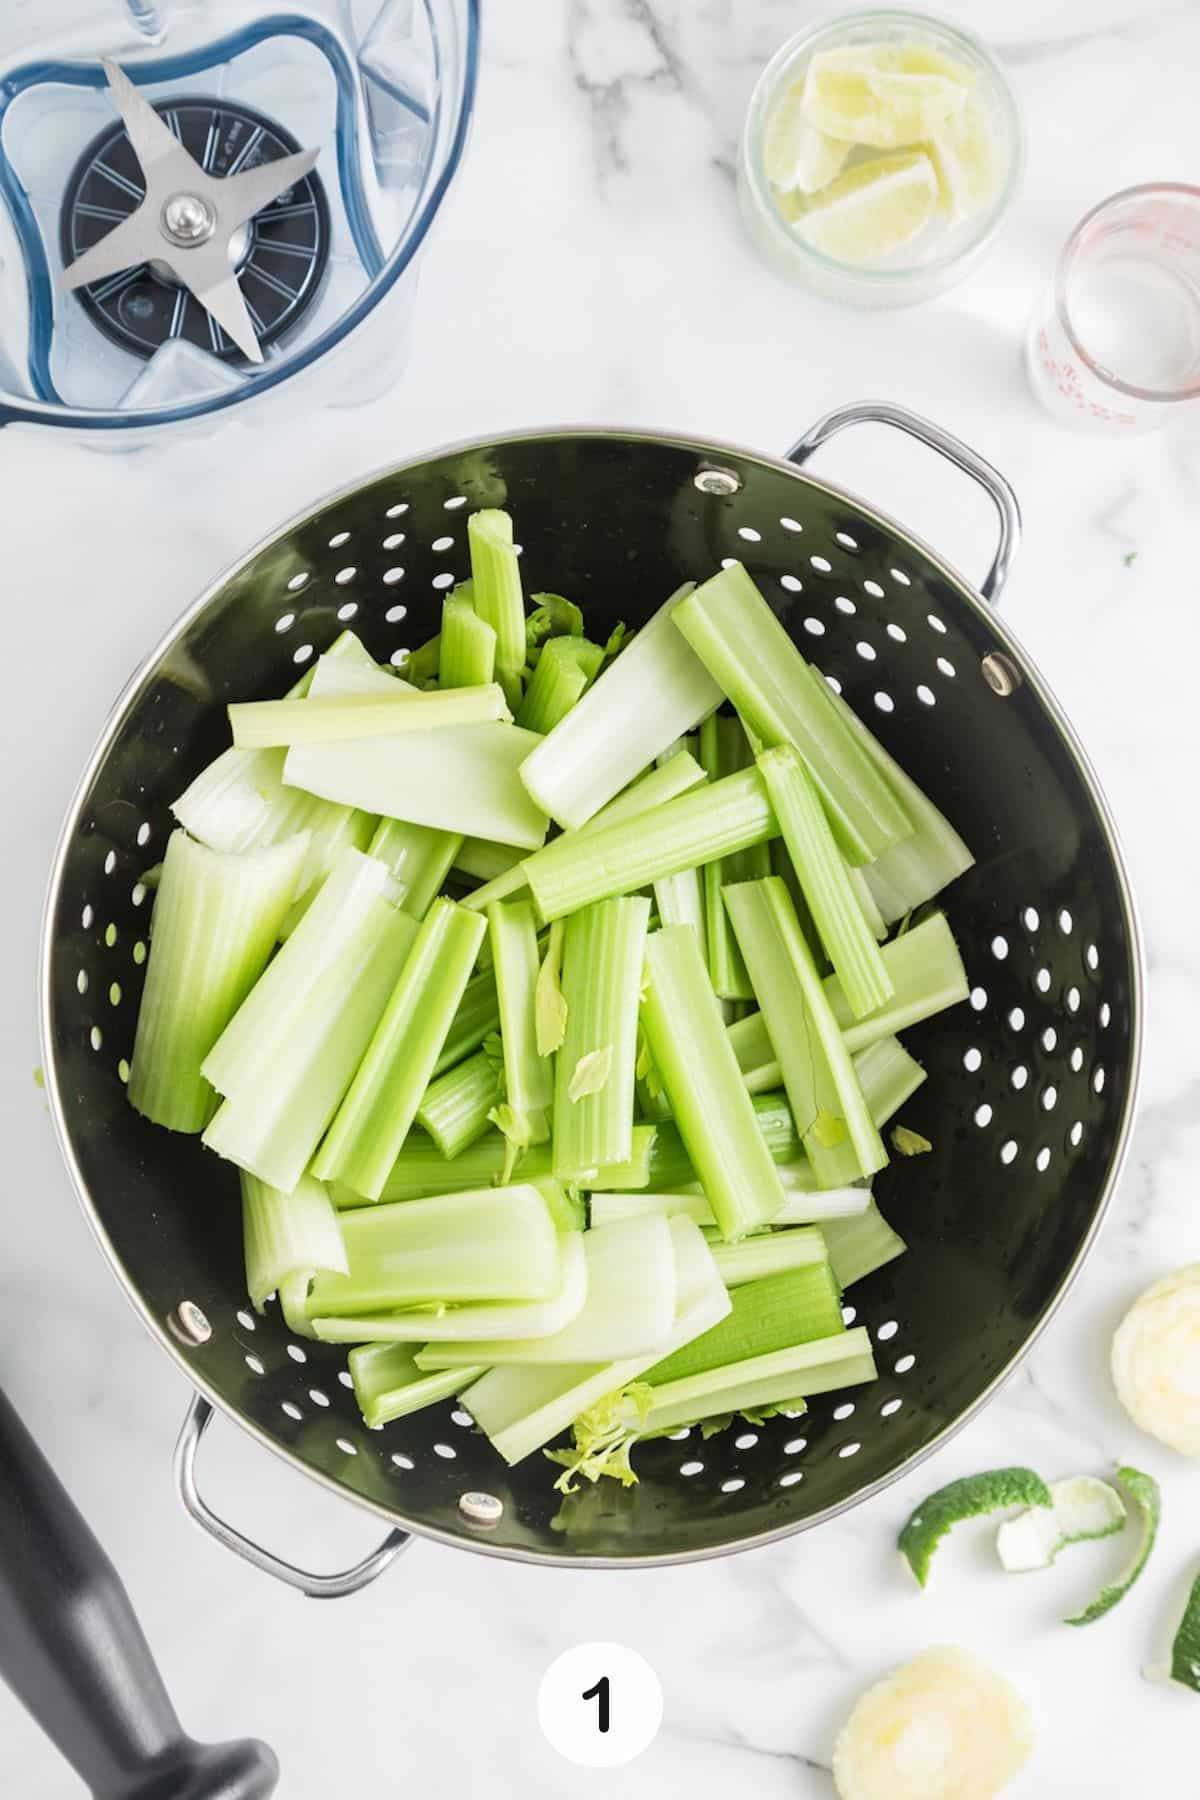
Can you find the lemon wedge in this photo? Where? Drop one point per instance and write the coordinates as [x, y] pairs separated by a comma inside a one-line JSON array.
[[963, 153], [871, 209], [795, 156], [899, 59], [942, 1727], [882, 108]]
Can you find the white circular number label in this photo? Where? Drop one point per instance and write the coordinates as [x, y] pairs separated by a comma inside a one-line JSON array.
[[600, 1705]]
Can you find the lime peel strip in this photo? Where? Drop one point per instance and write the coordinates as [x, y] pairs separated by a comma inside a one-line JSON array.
[[1185, 1651], [1148, 1498], [966, 1498], [1083, 1510]]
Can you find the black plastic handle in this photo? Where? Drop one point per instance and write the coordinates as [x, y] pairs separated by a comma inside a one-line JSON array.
[[75, 1656]]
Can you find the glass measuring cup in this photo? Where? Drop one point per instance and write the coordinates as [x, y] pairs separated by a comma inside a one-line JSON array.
[[1115, 344]]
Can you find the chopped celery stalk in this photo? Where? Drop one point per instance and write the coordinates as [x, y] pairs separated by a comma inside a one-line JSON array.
[[496, 591], [289, 1053], [722, 742], [288, 1234], [629, 1309], [568, 1208], [464, 780], [967, 1498], [777, 1126], [819, 1366], [710, 821], [467, 650], [825, 880], [926, 973], [565, 666], [420, 1169], [477, 1017], [485, 1244], [922, 864], [480, 860], [445, 1328], [331, 830], [684, 1029], [769, 1312], [524, 1116], [655, 690], [770, 1253], [678, 776], [381, 1103], [781, 699], [603, 956], [267, 724], [888, 1075], [216, 919], [552, 616], [421, 665], [751, 1044], [827, 1102], [456, 1108], [418, 860], [520, 1407], [858, 1246], [873, 919], [549, 1002], [388, 1384], [1147, 1497], [799, 1208]]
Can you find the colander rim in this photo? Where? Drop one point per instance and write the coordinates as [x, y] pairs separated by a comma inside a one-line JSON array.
[[708, 449]]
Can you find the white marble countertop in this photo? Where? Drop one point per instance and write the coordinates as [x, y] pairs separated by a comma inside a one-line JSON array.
[[590, 267]]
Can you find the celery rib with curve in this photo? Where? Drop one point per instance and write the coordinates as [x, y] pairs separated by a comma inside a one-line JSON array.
[[565, 666], [466, 645], [373, 1120], [418, 861], [819, 1366], [456, 1108], [497, 592], [723, 751], [524, 1115], [288, 1236], [272, 724], [800, 1207], [682, 1021], [858, 1246], [827, 1102], [797, 1305], [477, 1017], [420, 1169], [603, 955], [216, 919], [388, 1384], [708, 822], [780, 699], [926, 973], [653, 692], [825, 880], [774, 1252]]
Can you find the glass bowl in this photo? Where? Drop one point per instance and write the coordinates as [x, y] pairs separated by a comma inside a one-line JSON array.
[[943, 252]]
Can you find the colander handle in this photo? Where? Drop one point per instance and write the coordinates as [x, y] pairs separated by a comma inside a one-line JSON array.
[[74, 1654], [883, 412], [317, 1587]]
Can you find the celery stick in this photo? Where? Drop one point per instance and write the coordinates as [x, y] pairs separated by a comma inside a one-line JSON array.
[[564, 668], [520, 1407], [781, 700], [768, 1313], [477, 1017], [288, 1234], [921, 865], [873, 919], [825, 880], [614, 1209], [549, 1001], [629, 1309], [483, 861], [422, 664], [485, 1244], [381, 1103], [770, 1253], [776, 1125], [822, 1087], [859, 1246], [464, 780], [455, 1109], [216, 919], [603, 956], [711, 821], [722, 742], [799, 1207], [654, 691], [927, 976], [818, 1367], [331, 830], [680, 897], [443, 1328], [682, 1021], [267, 724], [467, 650], [751, 1044], [290, 1052], [496, 591], [524, 1116], [677, 776], [388, 1384], [418, 860], [888, 1075], [420, 1169]]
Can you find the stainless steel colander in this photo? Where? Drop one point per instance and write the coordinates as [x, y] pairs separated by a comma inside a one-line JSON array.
[[1031, 1087]]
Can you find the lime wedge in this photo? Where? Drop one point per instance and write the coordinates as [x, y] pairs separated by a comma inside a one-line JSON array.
[[871, 209], [963, 153], [794, 154], [878, 107]]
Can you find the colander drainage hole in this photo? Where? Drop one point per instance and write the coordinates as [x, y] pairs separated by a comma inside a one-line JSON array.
[[746, 1441], [401, 506], [844, 604], [446, 1451], [889, 1407], [317, 1397], [1043, 1160], [814, 628], [346, 1378], [1030, 918], [302, 653], [904, 1364], [297, 582], [887, 1330], [794, 1446], [849, 1314], [338, 539], [732, 1485], [401, 1461], [1042, 981], [792, 583], [979, 998], [791, 1478], [285, 621], [748, 534], [1077, 1058], [296, 1353], [1049, 1038], [1020, 1076], [347, 611], [972, 1060], [110, 862], [1098, 1081], [873, 588], [462, 1418], [849, 1450], [885, 703], [346, 1447], [999, 947], [255, 1366], [1105, 1015], [1008, 1151], [845, 540], [444, 580], [81, 981], [246, 1321], [983, 1114], [1076, 1134], [291, 1409], [394, 614], [393, 540], [897, 632], [821, 564], [791, 524], [86, 917], [845, 1410], [691, 1468], [1016, 1018], [392, 576]]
